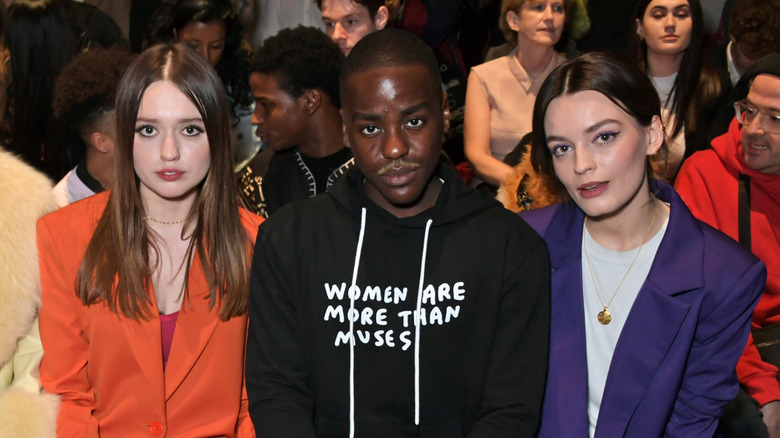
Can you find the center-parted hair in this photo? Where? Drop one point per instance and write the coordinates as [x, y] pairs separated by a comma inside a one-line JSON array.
[[389, 48], [303, 58], [120, 247], [616, 78], [233, 66]]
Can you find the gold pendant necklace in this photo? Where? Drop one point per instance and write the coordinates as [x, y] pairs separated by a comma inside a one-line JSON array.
[[604, 316]]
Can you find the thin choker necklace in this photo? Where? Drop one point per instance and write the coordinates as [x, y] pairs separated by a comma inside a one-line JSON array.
[[604, 316], [163, 222]]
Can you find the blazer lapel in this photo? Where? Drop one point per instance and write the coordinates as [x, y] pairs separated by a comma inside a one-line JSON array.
[[145, 343], [568, 362], [194, 327], [655, 318]]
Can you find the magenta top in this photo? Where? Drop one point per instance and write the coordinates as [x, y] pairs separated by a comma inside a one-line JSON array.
[[167, 326]]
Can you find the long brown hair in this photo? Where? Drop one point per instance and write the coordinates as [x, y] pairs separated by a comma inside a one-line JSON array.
[[116, 267]]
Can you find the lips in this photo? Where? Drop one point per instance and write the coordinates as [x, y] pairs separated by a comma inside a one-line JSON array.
[[670, 37], [398, 174], [592, 189], [170, 174]]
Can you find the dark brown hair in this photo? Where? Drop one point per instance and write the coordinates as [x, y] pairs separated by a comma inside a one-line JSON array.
[[116, 267], [372, 5], [616, 78], [697, 84]]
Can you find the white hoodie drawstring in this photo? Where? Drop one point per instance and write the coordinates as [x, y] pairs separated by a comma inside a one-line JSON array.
[[351, 325], [416, 320], [417, 326]]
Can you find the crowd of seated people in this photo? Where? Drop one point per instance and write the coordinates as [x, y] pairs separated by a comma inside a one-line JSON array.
[[142, 144]]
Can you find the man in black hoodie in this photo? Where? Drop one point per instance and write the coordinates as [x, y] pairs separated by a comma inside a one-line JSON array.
[[400, 303]]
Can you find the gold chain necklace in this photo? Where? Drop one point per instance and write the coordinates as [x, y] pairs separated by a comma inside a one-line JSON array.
[[604, 316], [163, 222]]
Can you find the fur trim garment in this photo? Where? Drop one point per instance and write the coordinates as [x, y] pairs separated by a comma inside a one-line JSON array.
[[25, 195]]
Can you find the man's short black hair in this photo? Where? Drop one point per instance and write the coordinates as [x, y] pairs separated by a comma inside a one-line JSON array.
[[372, 5], [389, 48], [303, 58]]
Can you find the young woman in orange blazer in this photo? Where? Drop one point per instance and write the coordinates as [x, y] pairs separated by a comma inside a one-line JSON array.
[[144, 289]]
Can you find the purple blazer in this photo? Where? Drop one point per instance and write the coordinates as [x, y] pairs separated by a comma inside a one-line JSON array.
[[674, 364]]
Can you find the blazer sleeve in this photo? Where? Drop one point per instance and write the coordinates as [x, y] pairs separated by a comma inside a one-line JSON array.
[[517, 367], [64, 365], [280, 403], [710, 380]]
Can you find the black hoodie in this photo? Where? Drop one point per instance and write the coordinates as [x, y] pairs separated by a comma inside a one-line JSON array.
[[479, 276]]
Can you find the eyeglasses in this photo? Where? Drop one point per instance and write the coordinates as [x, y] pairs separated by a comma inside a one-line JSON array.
[[770, 122]]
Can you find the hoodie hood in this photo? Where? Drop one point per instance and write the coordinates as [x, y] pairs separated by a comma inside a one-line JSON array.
[[349, 194]]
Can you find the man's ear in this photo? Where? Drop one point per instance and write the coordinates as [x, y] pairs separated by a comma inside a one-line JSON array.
[[101, 142], [445, 109], [656, 134], [381, 17], [312, 99], [344, 128]]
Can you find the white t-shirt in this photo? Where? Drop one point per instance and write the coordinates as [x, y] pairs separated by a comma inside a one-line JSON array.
[[609, 267]]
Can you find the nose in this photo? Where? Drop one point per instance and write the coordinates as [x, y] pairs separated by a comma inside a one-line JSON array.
[[212, 56], [394, 146], [547, 14], [257, 116], [169, 150], [583, 161], [339, 33], [203, 51], [669, 23]]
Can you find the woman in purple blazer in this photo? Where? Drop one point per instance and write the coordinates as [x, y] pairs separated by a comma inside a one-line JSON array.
[[650, 307]]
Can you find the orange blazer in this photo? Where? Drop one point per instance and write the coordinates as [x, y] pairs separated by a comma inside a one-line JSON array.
[[108, 369]]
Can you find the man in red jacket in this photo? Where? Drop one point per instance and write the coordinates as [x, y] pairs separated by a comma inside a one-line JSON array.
[[747, 159]]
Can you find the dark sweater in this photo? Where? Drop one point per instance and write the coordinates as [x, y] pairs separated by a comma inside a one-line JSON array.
[[484, 307]]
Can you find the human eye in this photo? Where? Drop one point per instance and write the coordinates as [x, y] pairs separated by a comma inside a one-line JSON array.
[[217, 46], [605, 137], [415, 122], [369, 130], [146, 130], [773, 122], [747, 112], [683, 12], [192, 130], [658, 13], [558, 8], [559, 150], [538, 7]]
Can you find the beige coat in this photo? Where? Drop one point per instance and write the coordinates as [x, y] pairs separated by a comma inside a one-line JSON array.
[[25, 195]]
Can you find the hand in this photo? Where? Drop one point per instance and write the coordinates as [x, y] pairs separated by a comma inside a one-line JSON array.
[[771, 413]]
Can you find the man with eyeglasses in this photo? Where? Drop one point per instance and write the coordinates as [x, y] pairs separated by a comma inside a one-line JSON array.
[[735, 187]]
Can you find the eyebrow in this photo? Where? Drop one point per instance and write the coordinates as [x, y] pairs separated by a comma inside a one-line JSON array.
[[770, 109], [406, 111], [148, 120], [590, 129]]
